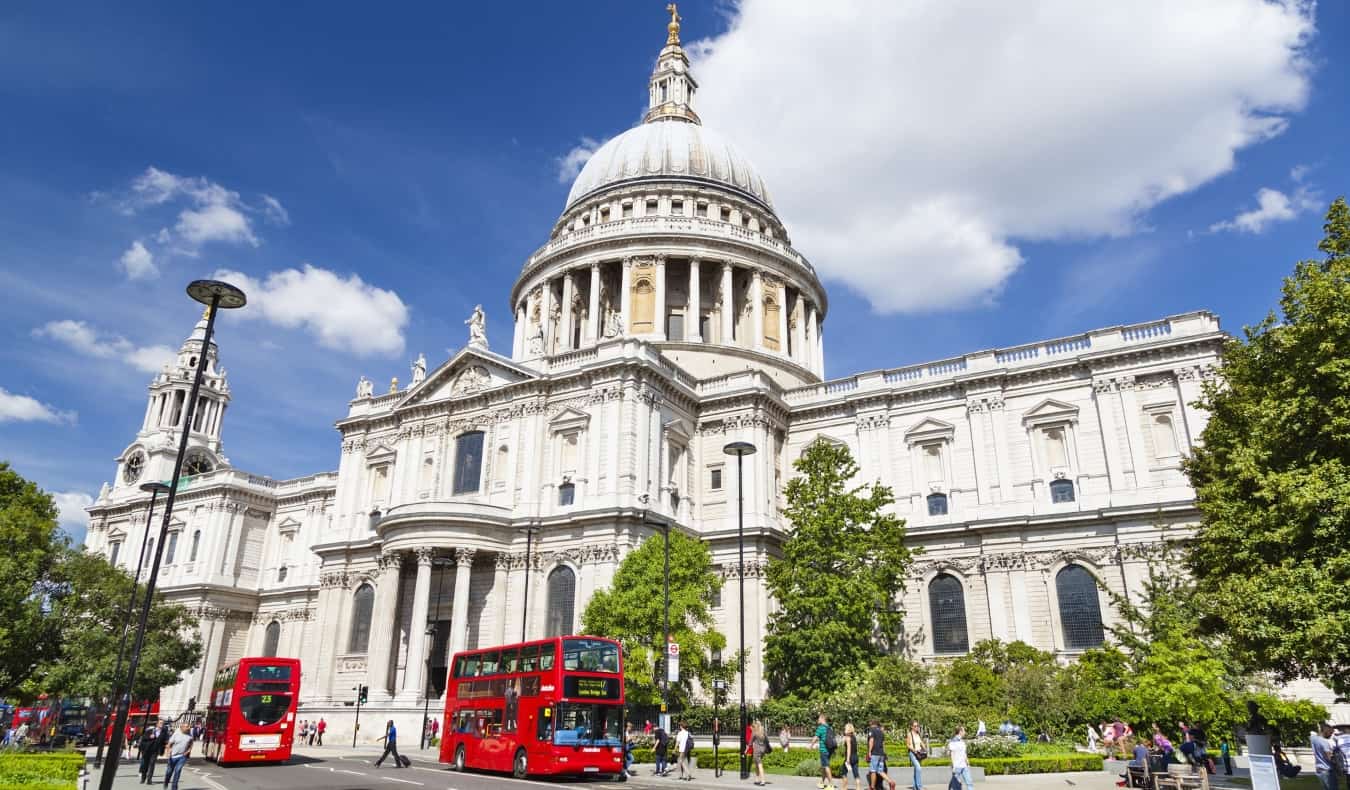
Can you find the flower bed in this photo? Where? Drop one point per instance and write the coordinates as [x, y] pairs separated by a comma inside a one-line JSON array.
[[40, 770]]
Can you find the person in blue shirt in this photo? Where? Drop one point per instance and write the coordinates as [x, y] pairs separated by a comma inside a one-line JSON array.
[[390, 739]]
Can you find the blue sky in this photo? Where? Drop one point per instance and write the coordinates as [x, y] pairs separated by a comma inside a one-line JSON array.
[[961, 180]]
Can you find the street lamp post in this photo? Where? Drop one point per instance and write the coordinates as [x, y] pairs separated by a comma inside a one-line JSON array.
[[155, 489], [741, 450], [431, 644], [215, 295]]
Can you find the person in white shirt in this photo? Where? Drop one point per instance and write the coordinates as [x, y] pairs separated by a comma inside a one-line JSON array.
[[956, 749]]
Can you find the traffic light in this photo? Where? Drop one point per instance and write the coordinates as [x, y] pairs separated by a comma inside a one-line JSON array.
[[361, 695]]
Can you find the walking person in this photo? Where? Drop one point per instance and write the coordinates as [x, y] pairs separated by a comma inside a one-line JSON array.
[[918, 752], [759, 746], [825, 744], [390, 739], [956, 749], [1326, 762], [660, 751], [684, 747], [180, 748], [850, 758], [323, 725]]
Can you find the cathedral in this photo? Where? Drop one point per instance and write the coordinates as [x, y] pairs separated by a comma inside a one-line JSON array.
[[666, 315]]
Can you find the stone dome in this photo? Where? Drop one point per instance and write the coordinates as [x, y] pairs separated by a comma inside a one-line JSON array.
[[669, 149]]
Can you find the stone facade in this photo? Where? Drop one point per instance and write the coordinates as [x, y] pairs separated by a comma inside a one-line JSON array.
[[666, 316]]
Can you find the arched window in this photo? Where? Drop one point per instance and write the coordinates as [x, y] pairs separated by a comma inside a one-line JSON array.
[[947, 603], [468, 462], [196, 544], [567, 494], [1061, 491], [363, 604], [937, 504], [271, 639], [1080, 610], [171, 549], [562, 599]]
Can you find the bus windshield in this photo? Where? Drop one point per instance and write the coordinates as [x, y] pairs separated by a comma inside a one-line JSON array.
[[590, 655], [588, 725]]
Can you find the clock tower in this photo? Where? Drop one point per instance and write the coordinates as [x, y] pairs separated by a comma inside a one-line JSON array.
[[151, 455]]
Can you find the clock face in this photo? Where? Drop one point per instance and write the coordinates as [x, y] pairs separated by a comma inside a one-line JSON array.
[[198, 463], [131, 471]]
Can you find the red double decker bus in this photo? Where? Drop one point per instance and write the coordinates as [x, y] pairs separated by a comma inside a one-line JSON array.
[[251, 717], [547, 707]]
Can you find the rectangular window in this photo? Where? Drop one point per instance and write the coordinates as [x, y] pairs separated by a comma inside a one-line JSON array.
[[715, 479]]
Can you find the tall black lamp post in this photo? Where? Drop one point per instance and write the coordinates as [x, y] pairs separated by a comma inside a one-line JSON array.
[[741, 450], [215, 295], [154, 489]]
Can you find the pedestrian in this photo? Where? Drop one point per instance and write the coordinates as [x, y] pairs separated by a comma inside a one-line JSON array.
[[1325, 758], [877, 771], [1226, 752], [785, 738], [824, 743], [918, 752], [850, 757], [759, 746], [151, 746], [390, 739], [956, 749], [661, 750], [684, 748], [180, 748], [323, 725]]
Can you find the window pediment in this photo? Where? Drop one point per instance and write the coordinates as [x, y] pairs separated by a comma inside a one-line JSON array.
[[930, 429], [1048, 412]]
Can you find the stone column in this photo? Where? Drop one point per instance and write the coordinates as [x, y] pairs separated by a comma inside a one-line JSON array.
[[660, 314], [782, 318], [757, 309], [502, 564], [459, 626], [728, 315], [626, 296], [518, 340], [693, 311], [545, 315], [593, 328], [382, 622], [565, 326], [414, 684]]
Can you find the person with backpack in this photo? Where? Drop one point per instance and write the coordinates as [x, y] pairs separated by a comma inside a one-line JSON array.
[[918, 752], [684, 748], [662, 739], [825, 742]]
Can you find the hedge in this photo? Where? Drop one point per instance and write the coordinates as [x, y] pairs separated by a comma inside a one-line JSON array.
[[40, 770]]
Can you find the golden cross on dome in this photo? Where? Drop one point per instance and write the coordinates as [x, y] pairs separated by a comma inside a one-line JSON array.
[[674, 26]]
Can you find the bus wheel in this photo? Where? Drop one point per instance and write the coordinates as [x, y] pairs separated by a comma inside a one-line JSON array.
[[459, 757], [520, 766]]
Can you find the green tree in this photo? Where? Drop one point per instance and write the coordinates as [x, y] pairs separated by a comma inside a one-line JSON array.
[[30, 545], [631, 610], [89, 610], [838, 581], [1272, 478]]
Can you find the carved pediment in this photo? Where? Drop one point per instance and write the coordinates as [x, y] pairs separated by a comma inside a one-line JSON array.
[[930, 429], [1050, 411], [468, 372]]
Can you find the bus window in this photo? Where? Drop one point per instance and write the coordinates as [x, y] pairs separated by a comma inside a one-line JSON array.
[[511, 661], [529, 658], [546, 657]]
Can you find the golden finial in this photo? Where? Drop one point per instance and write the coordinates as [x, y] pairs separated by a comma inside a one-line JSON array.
[[674, 26]]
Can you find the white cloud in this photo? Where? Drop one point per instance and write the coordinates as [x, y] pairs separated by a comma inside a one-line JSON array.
[[1272, 206], [570, 163], [346, 314], [84, 339], [21, 408], [274, 211], [71, 505], [918, 142], [138, 262]]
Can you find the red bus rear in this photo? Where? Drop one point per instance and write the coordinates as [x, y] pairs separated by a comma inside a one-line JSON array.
[[251, 717], [553, 706]]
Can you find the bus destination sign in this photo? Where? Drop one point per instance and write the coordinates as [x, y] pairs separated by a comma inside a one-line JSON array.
[[591, 688]]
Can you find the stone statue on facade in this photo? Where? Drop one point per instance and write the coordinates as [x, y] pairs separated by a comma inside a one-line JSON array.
[[419, 369], [365, 388], [477, 327]]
